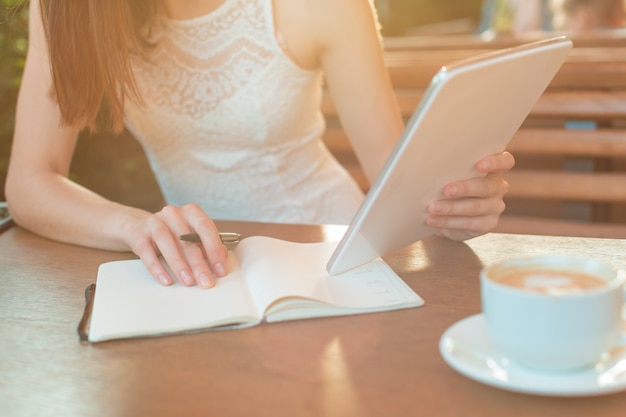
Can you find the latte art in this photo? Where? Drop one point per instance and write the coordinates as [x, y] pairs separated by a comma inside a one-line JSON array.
[[553, 313], [547, 281]]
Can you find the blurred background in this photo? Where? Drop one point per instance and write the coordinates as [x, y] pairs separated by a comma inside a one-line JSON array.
[[402, 17], [13, 43]]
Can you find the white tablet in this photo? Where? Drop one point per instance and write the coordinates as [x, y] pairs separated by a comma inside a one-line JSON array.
[[471, 109]]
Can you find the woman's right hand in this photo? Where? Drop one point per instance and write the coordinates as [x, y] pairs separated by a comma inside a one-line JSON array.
[[191, 263], [43, 200]]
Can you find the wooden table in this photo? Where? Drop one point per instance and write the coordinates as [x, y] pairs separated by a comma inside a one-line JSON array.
[[383, 364]]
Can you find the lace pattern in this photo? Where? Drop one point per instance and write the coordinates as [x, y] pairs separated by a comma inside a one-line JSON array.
[[231, 123], [195, 66]]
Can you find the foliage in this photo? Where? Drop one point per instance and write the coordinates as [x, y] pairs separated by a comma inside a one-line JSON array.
[[13, 43]]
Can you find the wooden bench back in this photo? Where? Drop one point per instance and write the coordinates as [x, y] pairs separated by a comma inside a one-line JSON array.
[[602, 39]]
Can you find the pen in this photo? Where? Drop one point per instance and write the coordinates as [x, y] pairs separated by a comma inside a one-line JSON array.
[[5, 217], [226, 237]]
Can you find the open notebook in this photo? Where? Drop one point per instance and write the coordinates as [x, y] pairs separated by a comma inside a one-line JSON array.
[[269, 280], [471, 109]]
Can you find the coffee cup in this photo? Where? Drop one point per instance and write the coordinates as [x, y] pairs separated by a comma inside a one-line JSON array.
[[553, 313]]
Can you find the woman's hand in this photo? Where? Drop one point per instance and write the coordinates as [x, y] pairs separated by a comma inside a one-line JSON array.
[[471, 208], [191, 263]]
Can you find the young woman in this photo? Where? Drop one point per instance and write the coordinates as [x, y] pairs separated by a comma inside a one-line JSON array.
[[225, 97]]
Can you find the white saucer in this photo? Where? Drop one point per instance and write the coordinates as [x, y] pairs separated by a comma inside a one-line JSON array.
[[468, 349]]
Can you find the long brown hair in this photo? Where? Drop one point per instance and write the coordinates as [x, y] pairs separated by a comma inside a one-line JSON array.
[[90, 43]]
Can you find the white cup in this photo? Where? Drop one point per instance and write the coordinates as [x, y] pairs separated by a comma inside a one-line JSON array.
[[553, 313]]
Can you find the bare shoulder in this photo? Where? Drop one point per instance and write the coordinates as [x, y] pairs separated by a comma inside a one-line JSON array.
[[310, 27]]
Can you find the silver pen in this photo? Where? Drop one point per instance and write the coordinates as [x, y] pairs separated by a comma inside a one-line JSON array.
[[226, 237]]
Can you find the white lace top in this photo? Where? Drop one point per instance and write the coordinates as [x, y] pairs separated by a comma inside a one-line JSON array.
[[231, 123]]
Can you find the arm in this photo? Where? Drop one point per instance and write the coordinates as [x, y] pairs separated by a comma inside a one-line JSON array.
[[341, 37], [42, 198], [352, 58]]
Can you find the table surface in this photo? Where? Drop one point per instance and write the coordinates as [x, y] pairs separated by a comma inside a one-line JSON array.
[[366, 365]]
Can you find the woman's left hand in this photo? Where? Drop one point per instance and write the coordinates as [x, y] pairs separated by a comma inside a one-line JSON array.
[[472, 207]]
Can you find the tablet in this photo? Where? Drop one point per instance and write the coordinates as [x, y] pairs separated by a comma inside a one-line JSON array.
[[471, 109]]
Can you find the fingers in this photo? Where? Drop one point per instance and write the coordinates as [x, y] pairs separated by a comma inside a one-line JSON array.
[[493, 184], [473, 207], [189, 263], [496, 164], [213, 249], [487, 187], [465, 218], [147, 253], [468, 207]]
